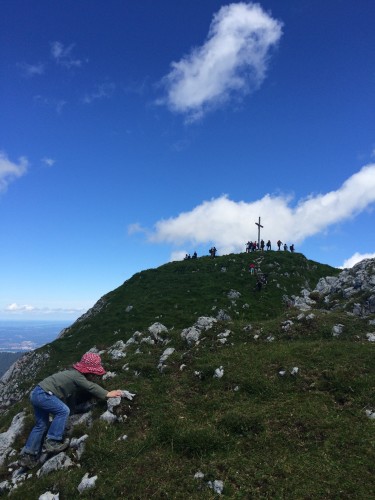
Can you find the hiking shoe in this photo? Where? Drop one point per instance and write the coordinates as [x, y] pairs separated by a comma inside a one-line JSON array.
[[28, 461], [53, 446]]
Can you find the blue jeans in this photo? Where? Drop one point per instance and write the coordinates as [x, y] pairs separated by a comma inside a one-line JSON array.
[[45, 404]]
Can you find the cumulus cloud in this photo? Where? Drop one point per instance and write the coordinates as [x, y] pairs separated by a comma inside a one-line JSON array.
[[228, 223], [9, 171], [232, 61], [178, 255], [63, 55], [355, 258]]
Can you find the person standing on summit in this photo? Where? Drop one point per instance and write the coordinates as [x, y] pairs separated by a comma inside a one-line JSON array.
[[47, 398]]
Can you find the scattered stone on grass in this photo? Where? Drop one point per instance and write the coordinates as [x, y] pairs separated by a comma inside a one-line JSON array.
[[219, 372], [49, 496], [199, 475], [87, 483], [216, 485], [57, 462], [337, 330]]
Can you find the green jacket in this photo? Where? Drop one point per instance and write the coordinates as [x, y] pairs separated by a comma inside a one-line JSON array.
[[67, 383]]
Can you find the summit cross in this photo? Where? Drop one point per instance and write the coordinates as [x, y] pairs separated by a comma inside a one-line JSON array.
[[259, 226]]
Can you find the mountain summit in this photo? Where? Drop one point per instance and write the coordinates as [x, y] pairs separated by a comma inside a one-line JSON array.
[[235, 384]]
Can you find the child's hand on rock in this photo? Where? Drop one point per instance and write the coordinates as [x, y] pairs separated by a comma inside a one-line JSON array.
[[114, 394]]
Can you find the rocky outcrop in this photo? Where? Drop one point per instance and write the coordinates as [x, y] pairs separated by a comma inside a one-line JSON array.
[[353, 290], [24, 369], [7, 438], [193, 333]]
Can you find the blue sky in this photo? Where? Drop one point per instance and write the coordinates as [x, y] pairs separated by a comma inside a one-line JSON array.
[[133, 132]]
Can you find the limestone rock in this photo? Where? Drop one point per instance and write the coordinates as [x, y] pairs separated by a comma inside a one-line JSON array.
[[191, 334], [7, 438], [49, 496], [87, 483], [57, 462], [156, 330], [337, 330], [108, 417], [219, 372]]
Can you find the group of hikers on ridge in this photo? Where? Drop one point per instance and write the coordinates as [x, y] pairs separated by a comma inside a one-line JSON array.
[[253, 246], [188, 256], [212, 251]]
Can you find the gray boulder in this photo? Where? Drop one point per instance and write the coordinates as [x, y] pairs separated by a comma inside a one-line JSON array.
[[57, 462], [8, 437]]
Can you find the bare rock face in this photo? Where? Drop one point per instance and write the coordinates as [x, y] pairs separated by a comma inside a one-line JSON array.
[[24, 369], [7, 438], [355, 287]]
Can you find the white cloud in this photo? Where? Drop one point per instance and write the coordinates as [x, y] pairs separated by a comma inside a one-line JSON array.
[[48, 161], [26, 308], [136, 228], [18, 308], [63, 55], [178, 255], [232, 61], [101, 91], [355, 258], [9, 171], [229, 224], [30, 70]]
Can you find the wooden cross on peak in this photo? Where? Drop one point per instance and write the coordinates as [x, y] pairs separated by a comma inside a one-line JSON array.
[[259, 226]]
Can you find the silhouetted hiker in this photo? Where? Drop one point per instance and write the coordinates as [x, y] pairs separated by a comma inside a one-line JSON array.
[[46, 399], [248, 246], [279, 243], [268, 245], [262, 245], [213, 252], [195, 255], [187, 256], [285, 247], [291, 248]]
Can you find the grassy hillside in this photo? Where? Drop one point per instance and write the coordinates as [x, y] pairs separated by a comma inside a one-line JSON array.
[[261, 430], [177, 293]]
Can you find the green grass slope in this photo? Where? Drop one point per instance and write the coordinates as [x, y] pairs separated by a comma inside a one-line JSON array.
[[263, 433], [176, 294]]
